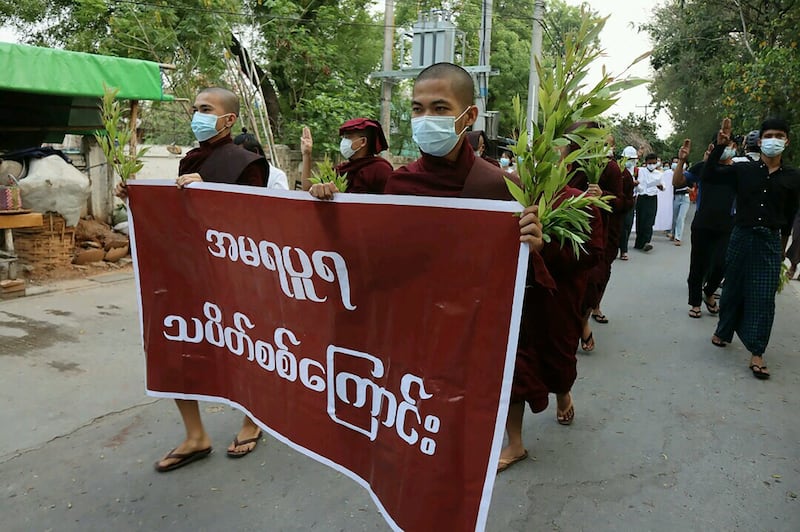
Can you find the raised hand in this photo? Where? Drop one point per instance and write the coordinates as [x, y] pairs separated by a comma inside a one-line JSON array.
[[683, 152], [306, 142], [724, 134]]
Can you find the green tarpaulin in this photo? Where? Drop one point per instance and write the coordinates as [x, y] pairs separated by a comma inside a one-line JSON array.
[[45, 93], [64, 73]]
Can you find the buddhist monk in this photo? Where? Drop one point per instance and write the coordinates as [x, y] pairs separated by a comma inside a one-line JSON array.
[[362, 140]]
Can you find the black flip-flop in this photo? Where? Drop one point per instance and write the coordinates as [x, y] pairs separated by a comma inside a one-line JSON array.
[[585, 342], [712, 309], [183, 459], [237, 443], [758, 371], [600, 318], [719, 343], [694, 313]]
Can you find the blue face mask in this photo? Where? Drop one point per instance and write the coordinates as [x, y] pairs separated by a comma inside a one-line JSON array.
[[727, 153], [204, 125], [436, 135], [504, 161], [772, 147]]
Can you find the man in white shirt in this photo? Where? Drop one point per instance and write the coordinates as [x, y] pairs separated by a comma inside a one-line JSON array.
[[647, 202]]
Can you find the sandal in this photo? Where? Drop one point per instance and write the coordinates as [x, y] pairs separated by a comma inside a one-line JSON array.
[[236, 443], [587, 344], [711, 305], [758, 371], [183, 459], [565, 417], [505, 463], [600, 318], [717, 342], [624, 256], [694, 313]]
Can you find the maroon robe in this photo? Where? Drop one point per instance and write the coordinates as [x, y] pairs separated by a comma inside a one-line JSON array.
[[552, 320], [367, 175], [222, 161], [438, 177], [611, 185], [433, 176]]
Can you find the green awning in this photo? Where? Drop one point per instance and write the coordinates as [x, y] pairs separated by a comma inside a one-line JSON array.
[[45, 92], [63, 73]]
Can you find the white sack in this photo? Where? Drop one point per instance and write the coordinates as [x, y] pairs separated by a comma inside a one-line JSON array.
[[54, 185]]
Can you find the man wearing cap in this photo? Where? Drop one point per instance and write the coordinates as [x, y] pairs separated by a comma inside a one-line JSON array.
[[362, 140]]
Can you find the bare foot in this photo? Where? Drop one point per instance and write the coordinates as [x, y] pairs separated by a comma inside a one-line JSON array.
[[565, 409], [247, 438], [185, 448], [758, 367], [511, 455]]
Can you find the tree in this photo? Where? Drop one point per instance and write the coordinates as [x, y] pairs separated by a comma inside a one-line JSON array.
[[725, 57], [316, 55], [639, 132]]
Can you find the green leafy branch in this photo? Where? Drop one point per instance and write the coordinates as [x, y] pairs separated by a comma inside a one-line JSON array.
[[545, 166], [116, 137], [783, 278], [325, 173]]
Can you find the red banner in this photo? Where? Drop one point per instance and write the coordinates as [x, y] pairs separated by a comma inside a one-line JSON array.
[[376, 334]]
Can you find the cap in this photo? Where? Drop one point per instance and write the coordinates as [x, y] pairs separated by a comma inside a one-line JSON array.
[[359, 124], [630, 152]]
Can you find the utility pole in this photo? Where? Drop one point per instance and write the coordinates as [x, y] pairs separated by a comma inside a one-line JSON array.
[[646, 108], [483, 60], [388, 44], [536, 53]]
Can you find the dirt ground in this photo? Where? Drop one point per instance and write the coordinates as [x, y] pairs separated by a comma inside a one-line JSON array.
[[39, 276]]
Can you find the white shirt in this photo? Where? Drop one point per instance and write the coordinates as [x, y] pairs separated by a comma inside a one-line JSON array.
[[648, 182], [277, 178]]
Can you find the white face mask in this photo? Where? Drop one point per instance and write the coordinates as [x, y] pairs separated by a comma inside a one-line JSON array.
[[651, 166], [727, 153], [346, 148], [477, 153], [772, 147], [630, 164], [436, 135], [673, 166]]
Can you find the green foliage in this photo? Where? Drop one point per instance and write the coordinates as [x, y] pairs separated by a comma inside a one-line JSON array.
[[325, 173], [720, 58], [511, 48], [564, 100], [320, 54], [640, 132], [116, 137]]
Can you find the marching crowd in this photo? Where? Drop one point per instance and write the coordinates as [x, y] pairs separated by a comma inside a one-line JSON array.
[[743, 208]]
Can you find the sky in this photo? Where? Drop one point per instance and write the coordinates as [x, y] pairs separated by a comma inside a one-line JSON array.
[[620, 41], [622, 45]]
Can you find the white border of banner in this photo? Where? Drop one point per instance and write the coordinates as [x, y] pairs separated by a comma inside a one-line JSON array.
[[418, 201]]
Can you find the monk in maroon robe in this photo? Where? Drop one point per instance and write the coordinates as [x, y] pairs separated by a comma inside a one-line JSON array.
[[362, 140], [552, 324], [442, 110], [217, 160]]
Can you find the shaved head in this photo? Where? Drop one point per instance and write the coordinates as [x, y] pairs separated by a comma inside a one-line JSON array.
[[226, 99], [459, 79]]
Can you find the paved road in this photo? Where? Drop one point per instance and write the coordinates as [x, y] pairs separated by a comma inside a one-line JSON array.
[[671, 433]]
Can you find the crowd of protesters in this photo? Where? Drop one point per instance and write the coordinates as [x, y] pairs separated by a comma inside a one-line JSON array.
[[745, 205]]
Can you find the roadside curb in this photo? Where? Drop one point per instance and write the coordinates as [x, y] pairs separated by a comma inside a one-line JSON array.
[[78, 284]]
